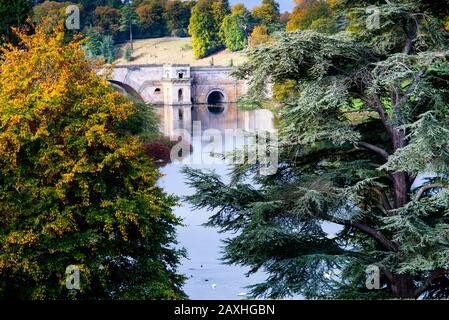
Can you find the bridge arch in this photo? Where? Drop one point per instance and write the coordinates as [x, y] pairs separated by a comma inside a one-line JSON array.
[[127, 89], [216, 96], [160, 84]]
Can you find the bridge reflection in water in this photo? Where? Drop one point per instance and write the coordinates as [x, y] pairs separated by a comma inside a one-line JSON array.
[[219, 117], [208, 278]]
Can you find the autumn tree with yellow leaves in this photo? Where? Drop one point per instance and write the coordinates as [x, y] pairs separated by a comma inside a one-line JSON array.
[[75, 186], [313, 15], [260, 35]]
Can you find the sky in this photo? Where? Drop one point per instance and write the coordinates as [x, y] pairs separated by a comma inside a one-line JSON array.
[[286, 5]]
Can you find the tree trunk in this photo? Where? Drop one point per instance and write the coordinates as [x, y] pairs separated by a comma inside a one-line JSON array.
[[131, 35], [401, 184], [401, 180], [403, 287], [411, 30]]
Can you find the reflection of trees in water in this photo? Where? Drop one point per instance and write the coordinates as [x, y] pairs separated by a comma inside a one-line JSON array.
[[176, 124], [160, 150]]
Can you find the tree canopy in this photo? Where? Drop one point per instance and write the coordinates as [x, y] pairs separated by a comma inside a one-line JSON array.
[[268, 13], [205, 26], [312, 14], [234, 34], [260, 35], [114, 22], [107, 20], [151, 18], [12, 13], [75, 185], [364, 160]]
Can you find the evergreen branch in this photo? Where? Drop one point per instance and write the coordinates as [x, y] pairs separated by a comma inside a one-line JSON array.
[[324, 153], [434, 276], [377, 235], [388, 274], [374, 165], [382, 114], [377, 150], [411, 31], [373, 233], [428, 187], [383, 198], [412, 87]]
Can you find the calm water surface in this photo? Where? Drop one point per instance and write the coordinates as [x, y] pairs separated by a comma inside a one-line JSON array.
[[208, 277]]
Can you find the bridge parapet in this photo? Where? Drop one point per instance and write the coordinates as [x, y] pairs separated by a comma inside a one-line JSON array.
[[178, 84]]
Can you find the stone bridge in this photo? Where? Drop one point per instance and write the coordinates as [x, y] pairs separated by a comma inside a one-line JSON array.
[[178, 84]]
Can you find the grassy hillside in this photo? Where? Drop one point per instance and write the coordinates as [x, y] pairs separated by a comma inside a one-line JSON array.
[[175, 51]]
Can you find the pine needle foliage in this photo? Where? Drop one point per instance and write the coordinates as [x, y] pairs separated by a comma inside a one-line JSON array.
[[370, 116]]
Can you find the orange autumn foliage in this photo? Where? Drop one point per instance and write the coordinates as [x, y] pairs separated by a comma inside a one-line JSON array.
[[75, 187]]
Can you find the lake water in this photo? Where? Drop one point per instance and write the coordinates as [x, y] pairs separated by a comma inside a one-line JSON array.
[[208, 277]]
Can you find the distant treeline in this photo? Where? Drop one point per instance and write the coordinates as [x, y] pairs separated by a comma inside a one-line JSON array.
[[213, 24], [151, 18]]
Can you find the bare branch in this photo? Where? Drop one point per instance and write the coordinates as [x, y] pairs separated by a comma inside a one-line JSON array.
[[412, 87], [379, 151], [382, 114], [411, 29], [373, 233], [435, 275], [388, 274], [384, 199], [428, 187], [377, 235]]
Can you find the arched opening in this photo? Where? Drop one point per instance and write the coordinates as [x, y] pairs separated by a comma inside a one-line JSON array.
[[157, 91], [181, 75], [216, 97], [216, 101], [180, 95], [216, 108], [127, 90]]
